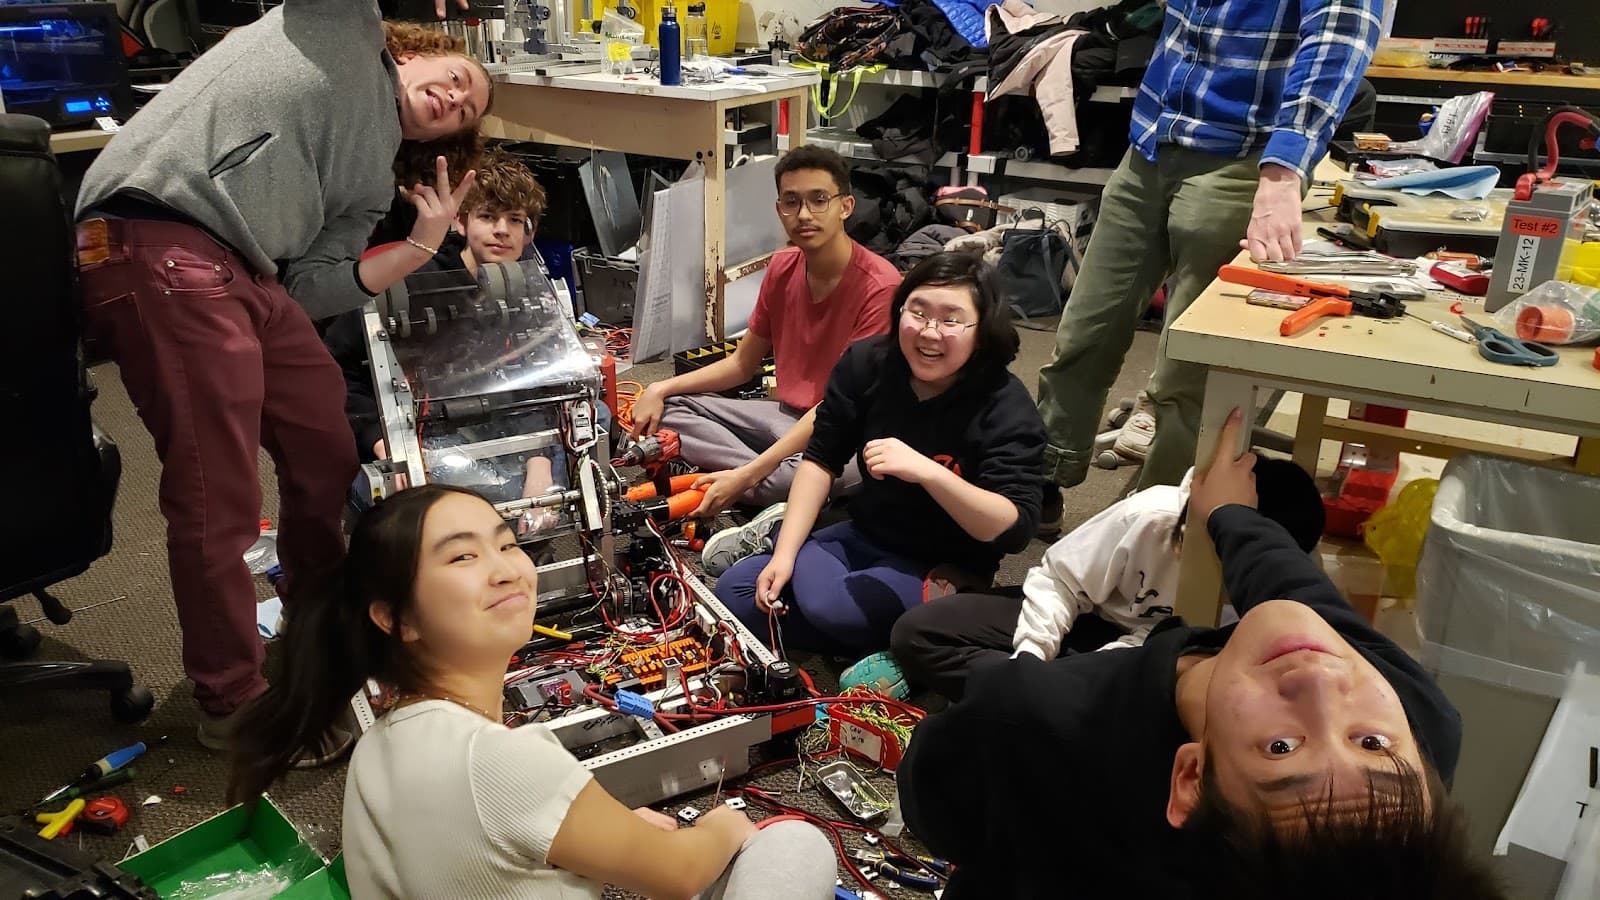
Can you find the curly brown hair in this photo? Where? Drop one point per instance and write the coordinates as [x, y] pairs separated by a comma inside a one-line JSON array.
[[505, 184], [414, 163]]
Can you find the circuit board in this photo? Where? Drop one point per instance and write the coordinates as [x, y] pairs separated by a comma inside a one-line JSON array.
[[648, 663]]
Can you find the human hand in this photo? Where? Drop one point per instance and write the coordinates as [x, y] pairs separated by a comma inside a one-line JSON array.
[[1227, 480], [659, 820], [438, 6], [772, 580], [723, 489], [647, 409], [732, 822], [1274, 232], [891, 456], [438, 205]]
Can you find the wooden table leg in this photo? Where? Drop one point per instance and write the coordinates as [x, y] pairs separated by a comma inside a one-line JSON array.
[[1587, 460], [716, 163], [1308, 432], [1200, 595]]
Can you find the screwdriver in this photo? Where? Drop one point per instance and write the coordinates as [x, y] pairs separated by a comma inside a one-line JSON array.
[[1459, 334], [120, 776], [97, 770]]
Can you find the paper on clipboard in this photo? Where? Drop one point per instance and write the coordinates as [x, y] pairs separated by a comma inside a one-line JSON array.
[[1556, 791]]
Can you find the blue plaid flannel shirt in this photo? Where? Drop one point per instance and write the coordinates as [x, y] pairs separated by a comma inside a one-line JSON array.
[[1235, 76]]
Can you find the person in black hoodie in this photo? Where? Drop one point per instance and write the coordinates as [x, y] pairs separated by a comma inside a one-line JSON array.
[[952, 445], [1298, 751]]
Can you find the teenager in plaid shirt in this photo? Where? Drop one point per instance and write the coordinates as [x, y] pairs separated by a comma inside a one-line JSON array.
[[1236, 107]]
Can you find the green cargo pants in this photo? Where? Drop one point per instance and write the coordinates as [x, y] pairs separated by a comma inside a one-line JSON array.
[[1181, 216]]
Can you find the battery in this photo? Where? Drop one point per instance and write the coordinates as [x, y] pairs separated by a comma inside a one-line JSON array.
[[1538, 239]]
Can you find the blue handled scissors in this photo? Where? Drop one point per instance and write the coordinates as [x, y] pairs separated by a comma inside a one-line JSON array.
[[1497, 346]]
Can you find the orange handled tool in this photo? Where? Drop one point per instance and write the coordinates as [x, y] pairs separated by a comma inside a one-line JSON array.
[[1326, 299], [1307, 315], [684, 503], [676, 485], [1283, 284]]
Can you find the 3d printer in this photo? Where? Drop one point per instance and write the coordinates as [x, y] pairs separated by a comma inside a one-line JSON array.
[[632, 664]]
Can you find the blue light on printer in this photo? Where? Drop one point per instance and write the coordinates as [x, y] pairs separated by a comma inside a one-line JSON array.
[[84, 105]]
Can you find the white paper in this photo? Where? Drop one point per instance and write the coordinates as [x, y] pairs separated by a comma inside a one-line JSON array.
[[1557, 789]]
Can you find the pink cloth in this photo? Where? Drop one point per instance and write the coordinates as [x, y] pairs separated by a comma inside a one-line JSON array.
[[808, 336], [1045, 72]]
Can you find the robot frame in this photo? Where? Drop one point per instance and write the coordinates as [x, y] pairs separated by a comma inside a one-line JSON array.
[[633, 664]]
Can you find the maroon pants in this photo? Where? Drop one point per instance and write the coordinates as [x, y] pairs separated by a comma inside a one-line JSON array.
[[220, 361]]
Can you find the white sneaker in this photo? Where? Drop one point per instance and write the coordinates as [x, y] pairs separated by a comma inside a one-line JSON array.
[[730, 545], [1138, 431]]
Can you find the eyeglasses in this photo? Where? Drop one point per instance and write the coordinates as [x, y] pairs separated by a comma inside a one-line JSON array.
[[946, 327], [817, 202]]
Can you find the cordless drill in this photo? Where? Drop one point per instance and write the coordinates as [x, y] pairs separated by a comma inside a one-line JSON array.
[[652, 449]]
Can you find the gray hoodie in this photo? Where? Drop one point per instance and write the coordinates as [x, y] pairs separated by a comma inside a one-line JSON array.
[[280, 141]]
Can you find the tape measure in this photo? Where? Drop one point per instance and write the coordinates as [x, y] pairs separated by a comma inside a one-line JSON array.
[[105, 815]]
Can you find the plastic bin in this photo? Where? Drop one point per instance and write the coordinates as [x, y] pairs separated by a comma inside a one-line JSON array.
[[609, 285], [722, 21], [1508, 587]]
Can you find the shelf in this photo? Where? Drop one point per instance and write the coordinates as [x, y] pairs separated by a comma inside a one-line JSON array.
[[1112, 94], [76, 141], [1039, 171], [911, 78], [850, 145]]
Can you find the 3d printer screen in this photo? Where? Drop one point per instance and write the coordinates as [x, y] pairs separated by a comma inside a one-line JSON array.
[[59, 67]]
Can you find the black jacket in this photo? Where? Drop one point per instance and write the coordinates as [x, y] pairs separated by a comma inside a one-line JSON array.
[[1072, 758], [985, 428]]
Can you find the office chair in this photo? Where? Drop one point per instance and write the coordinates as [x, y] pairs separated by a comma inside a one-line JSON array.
[[61, 472]]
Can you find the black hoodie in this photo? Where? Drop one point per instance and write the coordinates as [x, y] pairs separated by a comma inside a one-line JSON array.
[[984, 428]]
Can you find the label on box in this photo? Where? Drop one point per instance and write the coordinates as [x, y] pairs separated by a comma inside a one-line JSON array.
[[107, 124], [1524, 256], [1536, 226], [859, 740], [1545, 49], [1460, 45]]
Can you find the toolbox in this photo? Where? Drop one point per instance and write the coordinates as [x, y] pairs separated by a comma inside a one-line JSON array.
[[31, 866], [700, 357], [1406, 226]]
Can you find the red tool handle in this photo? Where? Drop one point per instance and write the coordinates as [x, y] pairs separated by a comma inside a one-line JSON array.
[[1307, 315], [1286, 284]]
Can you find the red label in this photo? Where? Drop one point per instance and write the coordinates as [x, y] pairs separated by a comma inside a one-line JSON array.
[[948, 461], [1536, 226]]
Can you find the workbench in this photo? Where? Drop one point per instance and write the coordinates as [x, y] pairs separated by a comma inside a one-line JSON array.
[[611, 112], [1399, 362], [1484, 77], [78, 141]]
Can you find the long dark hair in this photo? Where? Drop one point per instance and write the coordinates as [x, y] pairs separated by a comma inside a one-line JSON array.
[[997, 340], [331, 645]]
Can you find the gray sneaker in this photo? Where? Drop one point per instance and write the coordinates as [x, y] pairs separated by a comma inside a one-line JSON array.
[[730, 545], [216, 734]]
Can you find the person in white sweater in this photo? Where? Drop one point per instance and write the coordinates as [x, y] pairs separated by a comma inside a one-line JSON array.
[[1105, 585], [442, 799]]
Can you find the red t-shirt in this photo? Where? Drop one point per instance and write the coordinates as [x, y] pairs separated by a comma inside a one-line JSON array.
[[808, 336]]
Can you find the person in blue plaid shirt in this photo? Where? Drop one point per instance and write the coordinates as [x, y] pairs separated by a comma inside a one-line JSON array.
[[1236, 108]]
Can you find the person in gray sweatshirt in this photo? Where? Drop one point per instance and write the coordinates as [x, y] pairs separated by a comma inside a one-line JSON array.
[[225, 217]]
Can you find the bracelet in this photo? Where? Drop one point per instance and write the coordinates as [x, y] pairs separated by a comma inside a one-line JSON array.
[[431, 251]]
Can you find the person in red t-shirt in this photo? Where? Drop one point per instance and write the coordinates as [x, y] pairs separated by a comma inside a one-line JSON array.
[[819, 296]]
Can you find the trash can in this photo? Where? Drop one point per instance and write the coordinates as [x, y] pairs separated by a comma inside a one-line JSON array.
[[1508, 587]]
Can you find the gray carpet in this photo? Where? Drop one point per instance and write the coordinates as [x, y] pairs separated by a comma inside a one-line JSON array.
[[126, 613]]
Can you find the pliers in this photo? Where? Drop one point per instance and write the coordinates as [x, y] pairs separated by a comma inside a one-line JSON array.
[[905, 871], [1326, 299]]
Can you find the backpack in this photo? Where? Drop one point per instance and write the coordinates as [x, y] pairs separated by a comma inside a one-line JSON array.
[[849, 36]]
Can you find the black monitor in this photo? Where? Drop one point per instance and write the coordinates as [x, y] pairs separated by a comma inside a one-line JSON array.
[[63, 62], [215, 18]]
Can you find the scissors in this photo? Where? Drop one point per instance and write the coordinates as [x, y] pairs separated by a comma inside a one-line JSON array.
[[1497, 346]]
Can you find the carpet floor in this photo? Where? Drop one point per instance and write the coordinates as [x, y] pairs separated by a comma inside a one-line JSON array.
[[125, 612]]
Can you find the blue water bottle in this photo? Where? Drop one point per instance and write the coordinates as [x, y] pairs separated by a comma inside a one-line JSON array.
[[671, 47]]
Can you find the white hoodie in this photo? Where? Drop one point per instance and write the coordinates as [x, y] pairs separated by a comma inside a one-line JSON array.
[[1121, 564]]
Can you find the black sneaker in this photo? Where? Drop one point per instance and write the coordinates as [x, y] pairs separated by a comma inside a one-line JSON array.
[[1051, 513]]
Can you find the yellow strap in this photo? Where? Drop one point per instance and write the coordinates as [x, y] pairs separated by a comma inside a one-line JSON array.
[[834, 109]]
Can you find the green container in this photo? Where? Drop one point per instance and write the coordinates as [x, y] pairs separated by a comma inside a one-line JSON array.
[[240, 840], [326, 884]]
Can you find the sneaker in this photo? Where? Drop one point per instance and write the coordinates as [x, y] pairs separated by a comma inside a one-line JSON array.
[[730, 545], [1134, 441], [216, 734], [1053, 510]]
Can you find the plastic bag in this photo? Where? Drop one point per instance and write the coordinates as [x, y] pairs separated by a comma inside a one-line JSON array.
[[1454, 128], [618, 36], [259, 883], [1553, 313], [1395, 533]]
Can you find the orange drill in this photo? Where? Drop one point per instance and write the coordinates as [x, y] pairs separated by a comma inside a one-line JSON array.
[[651, 449]]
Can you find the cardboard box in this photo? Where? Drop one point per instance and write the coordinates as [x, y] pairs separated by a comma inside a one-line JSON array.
[[251, 843]]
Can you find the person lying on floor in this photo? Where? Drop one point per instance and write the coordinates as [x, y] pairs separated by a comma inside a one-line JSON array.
[[818, 296], [1298, 751], [442, 799], [952, 445], [1105, 585]]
